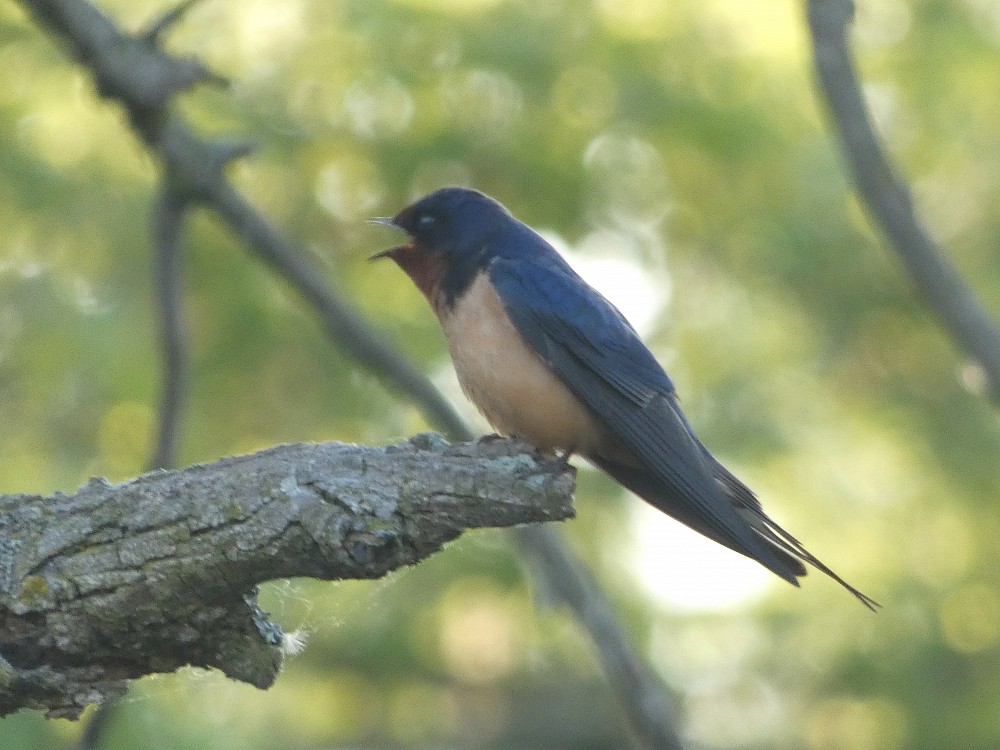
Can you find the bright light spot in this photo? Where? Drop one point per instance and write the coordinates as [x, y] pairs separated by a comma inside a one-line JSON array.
[[680, 569], [378, 107], [84, 297], [265, 29], [970, 618], [881, 24], [986, 14], [751, 27], [722, 710], [62, 135], [850, 724], [457, 7], [640, 19], [628, 176], [479, 637], [485, 100], [891, 119], [349, 188], [973, 378], [948, 205]]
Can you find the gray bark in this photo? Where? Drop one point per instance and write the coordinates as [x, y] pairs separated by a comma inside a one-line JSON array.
[[118, 581]]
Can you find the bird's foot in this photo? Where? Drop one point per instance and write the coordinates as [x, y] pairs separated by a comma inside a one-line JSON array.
[[491, 438]]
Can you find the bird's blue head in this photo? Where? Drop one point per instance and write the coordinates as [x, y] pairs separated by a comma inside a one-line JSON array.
[[450, 233]]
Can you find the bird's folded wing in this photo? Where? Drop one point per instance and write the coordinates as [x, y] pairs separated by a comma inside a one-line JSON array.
[[599, 356]]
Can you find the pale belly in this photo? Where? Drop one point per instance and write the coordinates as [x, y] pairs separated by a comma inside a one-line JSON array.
[[509, 383]]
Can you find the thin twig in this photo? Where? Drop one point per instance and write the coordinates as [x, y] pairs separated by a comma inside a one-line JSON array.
[[883, 191], [650, 712], [93, 733], [168, 219], [169, 19]]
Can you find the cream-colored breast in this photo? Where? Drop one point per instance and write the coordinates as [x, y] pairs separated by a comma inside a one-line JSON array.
[[510, 384]]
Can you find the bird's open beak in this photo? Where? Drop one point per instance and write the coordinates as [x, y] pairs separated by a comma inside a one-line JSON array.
[[386, 221]]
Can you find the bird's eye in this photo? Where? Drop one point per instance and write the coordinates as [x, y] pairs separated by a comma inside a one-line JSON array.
[[426, 221]]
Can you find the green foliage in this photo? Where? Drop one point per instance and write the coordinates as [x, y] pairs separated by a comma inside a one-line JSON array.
[[679, 140]]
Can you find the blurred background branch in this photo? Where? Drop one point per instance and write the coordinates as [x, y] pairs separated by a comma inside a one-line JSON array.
[[169, 210], [887, 198]]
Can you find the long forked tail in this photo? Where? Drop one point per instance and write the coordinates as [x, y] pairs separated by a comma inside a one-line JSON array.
[[775, 557], [748, 506]]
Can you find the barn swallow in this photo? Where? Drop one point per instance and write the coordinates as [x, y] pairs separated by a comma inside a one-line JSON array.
[[545, 357]]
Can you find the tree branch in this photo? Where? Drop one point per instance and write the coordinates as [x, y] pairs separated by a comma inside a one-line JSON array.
[[169, 212], [884, 193], [118, 581]]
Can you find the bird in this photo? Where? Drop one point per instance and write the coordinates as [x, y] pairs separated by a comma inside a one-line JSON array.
[[548, 359]]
